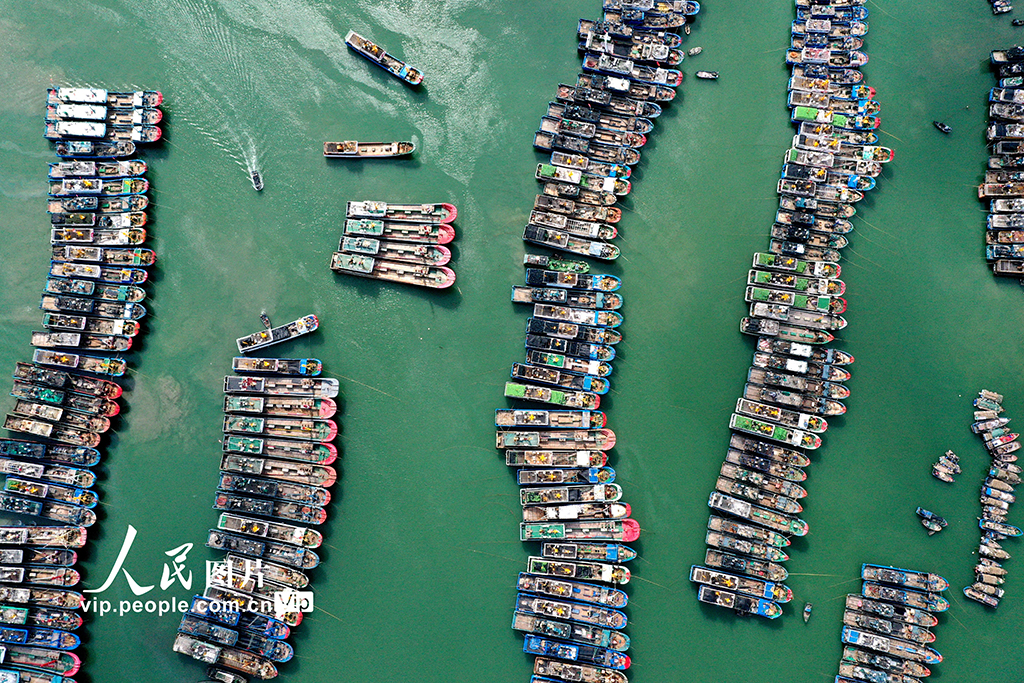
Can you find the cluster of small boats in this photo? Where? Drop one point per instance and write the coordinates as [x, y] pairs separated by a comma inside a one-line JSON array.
[[64, 396], [398, 243], [796, 381], [888, 629], [570, 601], [997, 494], [275, 472], [1003, 184], [103, 116]]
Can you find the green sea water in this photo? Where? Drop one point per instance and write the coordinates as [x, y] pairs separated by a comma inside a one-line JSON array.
[[421, 549]]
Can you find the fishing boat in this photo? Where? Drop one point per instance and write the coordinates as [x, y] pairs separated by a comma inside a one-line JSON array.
[[249, 603], [268, 508], [102, 205], [99, 326], [105, 187], [306, 452], [622, 530], [352, 149], [568, 280], [605, 99], [121, 100], [898, 629], [825, 371], [55, 663], [577, 632], [404, 213], [269, 337], [624, 87], [587, 571], [567, 137], [99, 169], [586, 164], [231, 658], [274, 531], [576, 331], [765, 465], [579, 592], [103, 238], [72, 130], [753, 493], [74, 401], [775, 452], [891, 646], [811, 386], [565, 475], [376, 54], [565, 419], [585, 27], [549, 458], [893, 665], [241, 618], [295, 472], [792, 437], [597, 439], [434, 277], [419, 254], [57, 453], [743, 546], [576, 299], [739, 603], [627, 68], [60, 433], [651, 53], [568, 242], [583, 511], [591, 551], [101, 255], [425, 233], [114, 367], [559, 495], [745, 510], [575, 349], [589, 654], [303, 429], [578, 210], [96, 112], [89, 149], [932, 602], [980, 596], [1006, 530], [309, 367], [745, 565], [765, 482], [271, 488], [891, 611], [743, 585], [572, 399]]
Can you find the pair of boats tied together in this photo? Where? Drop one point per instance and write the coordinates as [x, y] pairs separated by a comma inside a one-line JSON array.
[[797, 381], [996, 497], [273, 489], [888, 629], [65, 399], [571, 598], [1003, 184], [397, 243]]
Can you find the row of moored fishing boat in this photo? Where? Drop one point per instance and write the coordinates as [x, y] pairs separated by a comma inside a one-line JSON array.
[[887, 629], [63, 399], [569, 604], [275, 472], [1003, 186], [997, 494], [796, 381], [398, 243]]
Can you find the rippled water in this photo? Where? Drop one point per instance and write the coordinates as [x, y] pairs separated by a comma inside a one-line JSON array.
[[421, 552]]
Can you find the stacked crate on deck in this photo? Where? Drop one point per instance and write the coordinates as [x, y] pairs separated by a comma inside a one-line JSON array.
[[64, 399], [796, 379]]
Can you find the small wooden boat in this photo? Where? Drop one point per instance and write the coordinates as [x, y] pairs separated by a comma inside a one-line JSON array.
[[88, 149], [433, 277], [376, 54], [579, 592], [1000, 528], [425, 233], [707, 75], [807, 611], [265, 338], [257, 180], [352, 149]]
